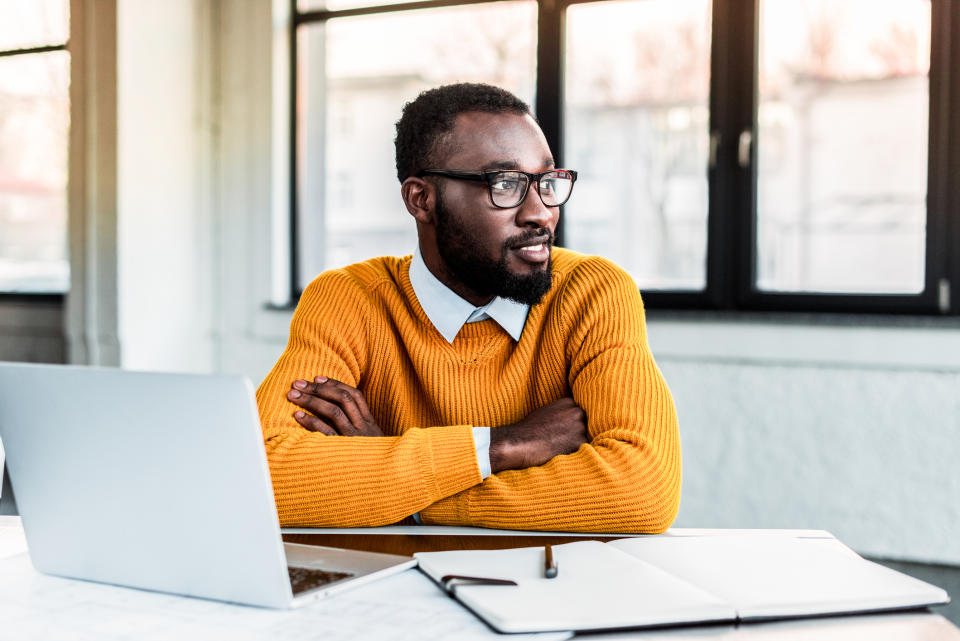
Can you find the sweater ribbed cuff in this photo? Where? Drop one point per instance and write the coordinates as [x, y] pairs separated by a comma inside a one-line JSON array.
[[453, 459], [452, 511]]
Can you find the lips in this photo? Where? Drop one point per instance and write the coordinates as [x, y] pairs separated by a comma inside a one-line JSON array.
[[537, 241], [531, 248], [535, 250]]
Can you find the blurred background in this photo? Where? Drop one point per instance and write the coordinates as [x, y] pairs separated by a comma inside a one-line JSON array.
[[780, 177]]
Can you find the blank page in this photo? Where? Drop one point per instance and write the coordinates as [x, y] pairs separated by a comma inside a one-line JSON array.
[[597, 587], [774, 577]]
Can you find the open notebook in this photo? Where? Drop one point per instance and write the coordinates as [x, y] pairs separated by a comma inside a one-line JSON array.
[[659, 581]]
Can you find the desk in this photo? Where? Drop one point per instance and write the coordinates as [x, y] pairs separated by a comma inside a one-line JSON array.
[[407, 543], [403, 607], [407, 540], [920, 625]]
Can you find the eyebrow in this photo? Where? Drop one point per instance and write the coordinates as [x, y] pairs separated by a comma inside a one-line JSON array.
[[548, 162]]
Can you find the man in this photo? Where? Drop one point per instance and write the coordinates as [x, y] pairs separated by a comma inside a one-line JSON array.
[[490, 379]]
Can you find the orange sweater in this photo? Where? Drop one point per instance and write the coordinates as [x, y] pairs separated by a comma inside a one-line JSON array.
[[587, 339]]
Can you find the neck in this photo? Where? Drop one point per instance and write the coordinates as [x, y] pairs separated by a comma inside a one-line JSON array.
[[439, 269]]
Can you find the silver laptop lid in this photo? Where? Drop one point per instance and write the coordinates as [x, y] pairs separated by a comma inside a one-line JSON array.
[[157, 481]]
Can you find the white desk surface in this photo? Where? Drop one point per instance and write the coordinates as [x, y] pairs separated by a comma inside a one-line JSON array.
[[12, 540], [403, 607]]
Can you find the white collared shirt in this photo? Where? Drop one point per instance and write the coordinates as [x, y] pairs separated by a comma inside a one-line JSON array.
[[448, 312]]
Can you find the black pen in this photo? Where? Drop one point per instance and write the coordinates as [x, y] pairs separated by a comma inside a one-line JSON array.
[[549, 565]]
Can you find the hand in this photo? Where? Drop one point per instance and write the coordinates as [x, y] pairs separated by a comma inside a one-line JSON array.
[[554, 429], [332, 408]]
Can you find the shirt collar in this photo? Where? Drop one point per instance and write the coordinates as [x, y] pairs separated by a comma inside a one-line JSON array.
[[449, 312]]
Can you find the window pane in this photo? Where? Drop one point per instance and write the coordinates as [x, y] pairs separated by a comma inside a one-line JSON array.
[[34, 117], [842, 145], [33, 23], [636, 128], [355, 75]]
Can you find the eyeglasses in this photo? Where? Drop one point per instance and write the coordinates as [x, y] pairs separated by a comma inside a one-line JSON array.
[[509, 188]]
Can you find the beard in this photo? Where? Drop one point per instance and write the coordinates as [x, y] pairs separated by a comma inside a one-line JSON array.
[[487, 277]]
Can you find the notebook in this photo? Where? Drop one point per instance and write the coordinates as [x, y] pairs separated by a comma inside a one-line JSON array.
[[660, 581], [160, 482]]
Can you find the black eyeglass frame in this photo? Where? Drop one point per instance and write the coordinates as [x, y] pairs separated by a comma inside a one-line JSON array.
[[489, 176]]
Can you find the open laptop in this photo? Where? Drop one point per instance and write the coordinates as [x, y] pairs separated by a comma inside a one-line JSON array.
[[160, 482]]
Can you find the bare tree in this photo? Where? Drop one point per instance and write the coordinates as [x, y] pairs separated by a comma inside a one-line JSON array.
[[899, 52]]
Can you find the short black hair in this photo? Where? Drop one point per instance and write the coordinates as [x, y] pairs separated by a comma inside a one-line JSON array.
[[426, 120]]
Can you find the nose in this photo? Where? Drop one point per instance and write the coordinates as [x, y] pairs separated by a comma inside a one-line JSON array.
[[533, 213]]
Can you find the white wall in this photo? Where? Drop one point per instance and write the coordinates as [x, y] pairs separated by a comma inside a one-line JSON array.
[[823, 425], [847, 428]]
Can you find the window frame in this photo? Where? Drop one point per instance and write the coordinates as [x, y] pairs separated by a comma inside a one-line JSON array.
[[731, 255]]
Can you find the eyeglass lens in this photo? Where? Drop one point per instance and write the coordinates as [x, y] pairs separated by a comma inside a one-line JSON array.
[[509, 188]]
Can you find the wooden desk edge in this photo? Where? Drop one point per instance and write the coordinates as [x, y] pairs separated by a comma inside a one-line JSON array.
[[407, 544]]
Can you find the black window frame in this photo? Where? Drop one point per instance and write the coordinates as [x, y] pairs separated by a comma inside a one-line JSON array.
[[733, 103]]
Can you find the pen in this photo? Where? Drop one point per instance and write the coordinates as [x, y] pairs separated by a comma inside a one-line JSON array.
[[549, 565]]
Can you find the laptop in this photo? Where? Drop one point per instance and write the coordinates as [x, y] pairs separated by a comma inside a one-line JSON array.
[[159, 482]]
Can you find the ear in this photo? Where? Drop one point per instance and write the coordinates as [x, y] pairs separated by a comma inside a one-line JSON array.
[[419, 197]]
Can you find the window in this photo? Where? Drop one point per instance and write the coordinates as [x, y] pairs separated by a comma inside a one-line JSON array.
[[34, 118], [354, 74], [747, 155], [842, 145], [637, 127]]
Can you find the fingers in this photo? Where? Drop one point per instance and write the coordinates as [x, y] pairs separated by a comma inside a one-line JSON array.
[[314, 398], [313, 423], [330, 413], [337, 405], [349, 399]]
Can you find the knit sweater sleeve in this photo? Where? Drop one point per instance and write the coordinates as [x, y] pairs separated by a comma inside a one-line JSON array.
[[331, 481], [627, 478]]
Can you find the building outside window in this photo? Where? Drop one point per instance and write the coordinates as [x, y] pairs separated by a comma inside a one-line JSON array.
[[34, 122], [842, 142]]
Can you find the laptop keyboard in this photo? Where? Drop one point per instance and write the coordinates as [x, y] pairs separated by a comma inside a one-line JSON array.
[[303, 579]]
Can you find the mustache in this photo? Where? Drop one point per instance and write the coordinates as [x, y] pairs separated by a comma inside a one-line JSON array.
[[543, 234]]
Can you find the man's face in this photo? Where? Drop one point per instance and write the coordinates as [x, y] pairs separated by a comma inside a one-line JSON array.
[[488, 250]]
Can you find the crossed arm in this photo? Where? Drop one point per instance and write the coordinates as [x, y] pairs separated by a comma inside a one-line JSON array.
[[337, 409]]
